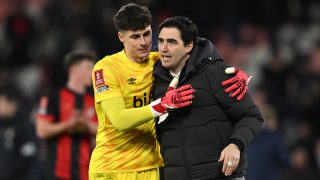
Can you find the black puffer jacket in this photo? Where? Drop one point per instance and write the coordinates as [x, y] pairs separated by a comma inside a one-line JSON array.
[[192, 138]]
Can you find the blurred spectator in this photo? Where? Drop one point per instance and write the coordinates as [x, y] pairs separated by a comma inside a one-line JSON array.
[[303, 89], [267, 155], [256, 40], [20, 31], [17, 140], [301, 169], [66, 119], [275, 83], [310, 90], [305, 138]]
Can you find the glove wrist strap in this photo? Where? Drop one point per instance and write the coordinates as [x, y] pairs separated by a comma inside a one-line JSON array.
[[156, 108]]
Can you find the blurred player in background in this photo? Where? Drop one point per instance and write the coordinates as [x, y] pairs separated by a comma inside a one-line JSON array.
[[67, 121]]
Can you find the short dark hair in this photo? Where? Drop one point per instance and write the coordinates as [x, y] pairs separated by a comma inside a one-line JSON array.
[[188, 30], [132, 17], [78, 55], [10, 92]]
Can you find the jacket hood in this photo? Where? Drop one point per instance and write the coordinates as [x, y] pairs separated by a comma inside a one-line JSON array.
[[203, 53]]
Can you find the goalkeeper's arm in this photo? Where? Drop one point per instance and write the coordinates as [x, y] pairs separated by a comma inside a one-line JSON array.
[[124, 119]]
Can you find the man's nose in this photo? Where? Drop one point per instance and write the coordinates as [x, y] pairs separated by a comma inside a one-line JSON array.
[[164, 46], [142, 41]]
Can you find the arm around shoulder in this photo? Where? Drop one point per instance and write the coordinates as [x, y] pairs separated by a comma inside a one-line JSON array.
[[244, 115]]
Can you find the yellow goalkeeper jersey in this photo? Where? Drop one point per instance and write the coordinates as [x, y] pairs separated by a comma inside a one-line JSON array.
[[136, 149]]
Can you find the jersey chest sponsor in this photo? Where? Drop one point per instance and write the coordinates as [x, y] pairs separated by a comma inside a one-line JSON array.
[[139, 101]]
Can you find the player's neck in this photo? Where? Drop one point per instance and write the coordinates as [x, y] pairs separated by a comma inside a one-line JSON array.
[[135, 59], [76, 87]]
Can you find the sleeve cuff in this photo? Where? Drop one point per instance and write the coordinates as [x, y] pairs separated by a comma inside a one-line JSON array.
[[237, 143]]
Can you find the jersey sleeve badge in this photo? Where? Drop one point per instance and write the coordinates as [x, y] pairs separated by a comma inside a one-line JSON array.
[[100, 84]]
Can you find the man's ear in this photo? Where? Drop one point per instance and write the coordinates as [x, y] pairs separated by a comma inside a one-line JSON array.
[[189, 47], [121, 36]]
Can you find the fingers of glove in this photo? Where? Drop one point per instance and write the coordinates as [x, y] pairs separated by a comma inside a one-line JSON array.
[[185, 93], [232, 88], [177, 99], [241, 96], [183, 104], [237, 91], [230, 81], [183, 88], [231, 70]]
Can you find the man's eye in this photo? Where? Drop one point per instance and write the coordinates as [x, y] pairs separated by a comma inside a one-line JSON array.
[[147, 34], [172, 42]]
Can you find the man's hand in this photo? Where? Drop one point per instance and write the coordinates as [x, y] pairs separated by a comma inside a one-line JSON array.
[[72, 122], [237, 85], [79, 122], [230, 157], [174, 98]]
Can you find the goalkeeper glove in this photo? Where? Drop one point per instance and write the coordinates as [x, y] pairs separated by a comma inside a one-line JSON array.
[[238, 85], [174, 98]]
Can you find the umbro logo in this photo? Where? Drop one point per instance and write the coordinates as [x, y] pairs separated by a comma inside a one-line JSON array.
[[132, 81]]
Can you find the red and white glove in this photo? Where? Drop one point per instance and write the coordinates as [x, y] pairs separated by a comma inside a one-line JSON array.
[[237, 85], [174, 98]]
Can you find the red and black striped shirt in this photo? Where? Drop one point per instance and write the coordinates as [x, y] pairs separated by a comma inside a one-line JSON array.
[[68, 154]]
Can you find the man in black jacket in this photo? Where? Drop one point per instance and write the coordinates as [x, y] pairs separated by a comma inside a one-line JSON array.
[[18, 143], [206, 140]]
